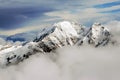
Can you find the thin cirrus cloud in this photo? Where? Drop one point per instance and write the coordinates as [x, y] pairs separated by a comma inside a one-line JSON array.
[[108, 4], [20, 14], [90, 13]]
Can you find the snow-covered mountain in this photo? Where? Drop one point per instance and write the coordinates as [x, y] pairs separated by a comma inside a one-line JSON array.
[[60, 34], [97, 35]]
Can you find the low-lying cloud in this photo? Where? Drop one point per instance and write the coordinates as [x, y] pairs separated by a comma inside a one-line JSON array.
[[68, 63], [114, 28]]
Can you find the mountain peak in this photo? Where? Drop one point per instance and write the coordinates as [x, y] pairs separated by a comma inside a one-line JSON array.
[[97, 24]]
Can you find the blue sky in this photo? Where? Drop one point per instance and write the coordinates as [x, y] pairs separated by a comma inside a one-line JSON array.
[[18, 16]]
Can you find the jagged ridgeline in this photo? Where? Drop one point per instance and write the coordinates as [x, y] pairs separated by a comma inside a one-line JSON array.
[[59, 35]]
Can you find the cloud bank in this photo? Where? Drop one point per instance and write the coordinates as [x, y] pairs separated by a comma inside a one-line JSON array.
[[68, 63]]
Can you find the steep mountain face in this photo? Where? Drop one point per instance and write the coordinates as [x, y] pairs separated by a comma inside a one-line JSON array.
[[100, 34], [97, 35], [59, 35]]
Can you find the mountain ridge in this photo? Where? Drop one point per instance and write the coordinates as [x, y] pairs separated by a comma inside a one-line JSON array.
[[60, 34]]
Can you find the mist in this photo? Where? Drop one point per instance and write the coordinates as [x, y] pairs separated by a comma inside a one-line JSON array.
[[68, 63]]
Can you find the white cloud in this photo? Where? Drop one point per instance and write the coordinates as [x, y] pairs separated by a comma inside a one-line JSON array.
[[2, 41], [114, 26], [83, 16], [21, 30], [86, 14], [108, 9], [68, 63], [83, 12], [96, 2], [62, 15]]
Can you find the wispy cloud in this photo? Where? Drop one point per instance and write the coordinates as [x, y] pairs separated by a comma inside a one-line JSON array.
[[12, 18], [88, 14], [21, 30], [23, 12], [110, 4]]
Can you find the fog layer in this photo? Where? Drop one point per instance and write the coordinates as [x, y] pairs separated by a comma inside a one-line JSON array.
[[68, 63]]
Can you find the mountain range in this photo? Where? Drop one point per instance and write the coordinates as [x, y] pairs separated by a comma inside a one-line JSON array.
[[64, 33]]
